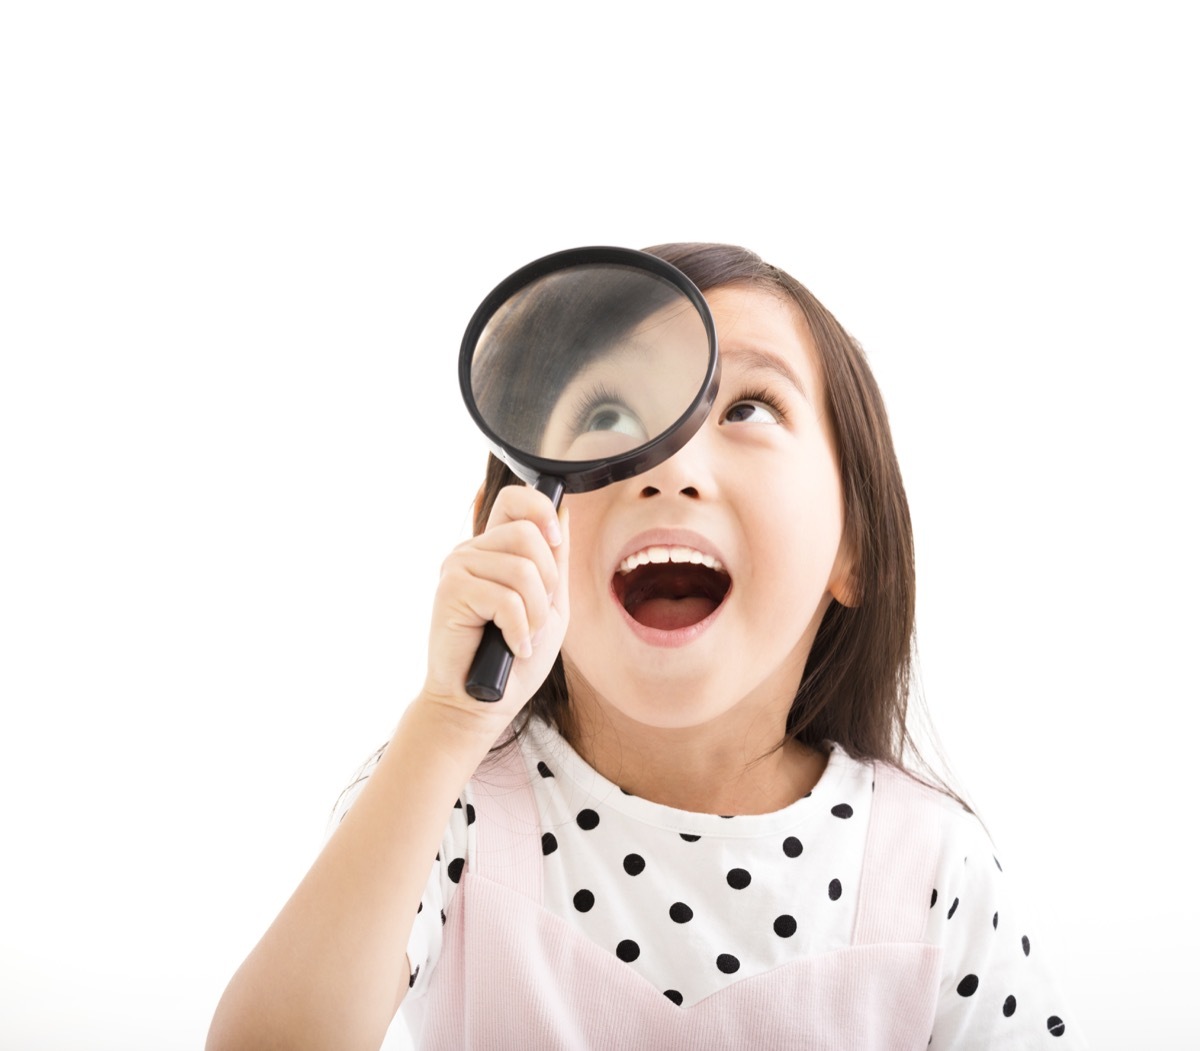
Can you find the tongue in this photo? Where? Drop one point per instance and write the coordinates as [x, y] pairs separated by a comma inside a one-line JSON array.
[[667, 614]]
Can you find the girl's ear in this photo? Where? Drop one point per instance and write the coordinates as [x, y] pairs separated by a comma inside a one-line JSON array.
[[843, 581]]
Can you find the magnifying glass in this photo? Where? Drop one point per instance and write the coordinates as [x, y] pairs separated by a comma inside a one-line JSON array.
[[582, 368]]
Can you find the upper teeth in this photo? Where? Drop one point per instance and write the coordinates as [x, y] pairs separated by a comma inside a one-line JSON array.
[[663, 553]]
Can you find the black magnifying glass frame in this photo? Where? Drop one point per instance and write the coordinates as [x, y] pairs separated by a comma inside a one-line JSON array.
[[493, 660]]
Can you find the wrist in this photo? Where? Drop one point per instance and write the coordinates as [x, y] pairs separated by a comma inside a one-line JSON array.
[[464, 734]]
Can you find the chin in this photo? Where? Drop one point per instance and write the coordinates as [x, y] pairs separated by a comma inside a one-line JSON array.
[[660, 701]]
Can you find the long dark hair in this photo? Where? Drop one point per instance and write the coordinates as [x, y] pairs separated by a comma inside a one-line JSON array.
[[856, 685]]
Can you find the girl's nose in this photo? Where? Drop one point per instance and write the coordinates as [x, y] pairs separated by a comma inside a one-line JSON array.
[[688, 473], [687, 490]]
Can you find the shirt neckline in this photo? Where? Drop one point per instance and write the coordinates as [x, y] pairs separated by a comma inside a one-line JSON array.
[[542, 742]]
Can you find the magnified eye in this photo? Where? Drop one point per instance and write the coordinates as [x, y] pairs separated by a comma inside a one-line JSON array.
[[602, 425], [616, 418], [602, 409]]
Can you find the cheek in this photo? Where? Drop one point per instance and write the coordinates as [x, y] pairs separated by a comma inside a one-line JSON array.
[[812, 517]]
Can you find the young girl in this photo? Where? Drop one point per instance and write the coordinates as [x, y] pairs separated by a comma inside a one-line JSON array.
[[687, 824]]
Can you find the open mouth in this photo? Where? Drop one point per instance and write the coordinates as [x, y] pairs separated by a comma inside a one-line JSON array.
[[668, 588]]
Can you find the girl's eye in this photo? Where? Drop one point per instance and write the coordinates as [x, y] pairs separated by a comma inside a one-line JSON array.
[[757, 410], [599, 425]]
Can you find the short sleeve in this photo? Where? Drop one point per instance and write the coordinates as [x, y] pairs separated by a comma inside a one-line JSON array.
[[425, 941], [998, 988]]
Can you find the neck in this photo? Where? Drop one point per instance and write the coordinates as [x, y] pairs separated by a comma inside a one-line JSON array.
[[731, 765]]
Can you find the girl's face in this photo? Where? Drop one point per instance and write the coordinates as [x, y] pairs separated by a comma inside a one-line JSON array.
[[697, 587]]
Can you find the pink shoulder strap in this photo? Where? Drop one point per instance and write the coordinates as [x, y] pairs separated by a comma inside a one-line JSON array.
[[903, 845], [508, 835]]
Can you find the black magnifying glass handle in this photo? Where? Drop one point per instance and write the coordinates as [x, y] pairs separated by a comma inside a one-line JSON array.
[[493, 661]]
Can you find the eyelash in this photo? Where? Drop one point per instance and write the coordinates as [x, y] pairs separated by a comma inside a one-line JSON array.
[[589, 403], [763, 397]]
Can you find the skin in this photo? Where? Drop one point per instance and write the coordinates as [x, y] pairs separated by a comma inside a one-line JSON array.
[[692, 724], [759, 487]]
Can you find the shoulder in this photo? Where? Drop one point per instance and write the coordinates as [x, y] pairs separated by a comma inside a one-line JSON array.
[[910, 796], [927, 838], [998, 988]]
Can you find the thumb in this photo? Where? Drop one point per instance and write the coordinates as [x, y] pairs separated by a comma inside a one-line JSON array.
[[561, 596]]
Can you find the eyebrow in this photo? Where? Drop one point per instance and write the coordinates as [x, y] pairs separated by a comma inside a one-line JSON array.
[[750, 358]]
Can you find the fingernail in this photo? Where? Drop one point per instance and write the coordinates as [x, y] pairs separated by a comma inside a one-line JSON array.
[[525, 650], [554, 532]]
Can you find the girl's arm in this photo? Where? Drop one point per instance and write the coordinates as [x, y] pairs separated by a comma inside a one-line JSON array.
[[331, 969]]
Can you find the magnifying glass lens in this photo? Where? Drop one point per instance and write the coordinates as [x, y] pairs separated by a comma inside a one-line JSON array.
[[589, 362]]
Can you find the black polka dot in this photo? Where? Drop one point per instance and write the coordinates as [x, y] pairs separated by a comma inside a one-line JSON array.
[[634, 863], [968, 985], [584, 900], [933, 900], [785, 926], [835, 889], [454, 869], [1025, 944], [675, 996], [953, 908], [687, 838], [549, 843], [997, 861], [738, 879], [792, 847], [458, 804], [629, 950], [420, 907], [1010, 1006], [470, 813], [1056, 1025], [843, 810], [412, 978], [544, 770], [443, 912], [681, 913], [587, 820], [727, 964], [995, 920]]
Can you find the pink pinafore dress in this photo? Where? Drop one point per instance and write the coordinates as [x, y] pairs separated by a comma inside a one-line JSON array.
[[512, 975]]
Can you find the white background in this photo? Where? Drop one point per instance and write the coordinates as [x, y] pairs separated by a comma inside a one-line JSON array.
[[239, 243]]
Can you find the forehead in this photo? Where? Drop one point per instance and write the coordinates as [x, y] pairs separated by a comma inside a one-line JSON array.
[[756, 323]]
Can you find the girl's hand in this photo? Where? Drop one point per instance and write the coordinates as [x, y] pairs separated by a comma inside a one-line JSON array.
[[514, 574]]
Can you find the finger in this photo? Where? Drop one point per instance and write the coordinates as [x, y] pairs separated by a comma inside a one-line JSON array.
[[560, 605], [507, 610], [521, 539], [560, 595], [517, 577], [475, 581], [523, 502]]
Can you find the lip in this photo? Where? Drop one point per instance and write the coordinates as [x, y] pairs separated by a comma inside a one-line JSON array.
[[668, 538]]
